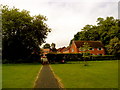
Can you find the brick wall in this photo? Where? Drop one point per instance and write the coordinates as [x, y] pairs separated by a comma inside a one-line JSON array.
[[73, 48], [96, 51]]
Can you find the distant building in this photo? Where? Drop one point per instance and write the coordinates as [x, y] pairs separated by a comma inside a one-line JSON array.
[[67, 50], [61, 50], [45, 51], [97, 47]]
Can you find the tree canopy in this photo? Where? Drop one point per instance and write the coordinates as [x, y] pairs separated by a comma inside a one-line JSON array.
[[46, 46], [22, 33], [105, 30]]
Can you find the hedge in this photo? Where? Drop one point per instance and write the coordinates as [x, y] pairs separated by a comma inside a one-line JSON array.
[[104, 57], [52, 57]]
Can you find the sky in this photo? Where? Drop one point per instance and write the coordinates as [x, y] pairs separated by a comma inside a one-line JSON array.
[[67, 17]]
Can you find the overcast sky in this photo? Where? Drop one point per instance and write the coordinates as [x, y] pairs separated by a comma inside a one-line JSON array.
[[67, 17]]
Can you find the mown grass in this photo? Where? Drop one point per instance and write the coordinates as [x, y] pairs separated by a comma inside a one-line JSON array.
[[19, 75], [0, 76], [98, 74]]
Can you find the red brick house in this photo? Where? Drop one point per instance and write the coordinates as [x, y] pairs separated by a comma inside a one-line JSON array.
[[97, 47], [61, 50], [67, 50]]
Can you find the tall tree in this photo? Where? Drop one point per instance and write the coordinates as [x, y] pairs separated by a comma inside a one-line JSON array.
[[22, 33], [53, 47], [114, 46], [105, 30]]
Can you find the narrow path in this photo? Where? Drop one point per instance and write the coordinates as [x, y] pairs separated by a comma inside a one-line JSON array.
[[46, 79]]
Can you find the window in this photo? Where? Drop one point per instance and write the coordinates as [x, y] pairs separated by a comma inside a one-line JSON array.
[[91, 49], [99, 48], [72, 50], [100, 54]]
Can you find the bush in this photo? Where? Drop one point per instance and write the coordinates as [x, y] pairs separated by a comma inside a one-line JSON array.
[[104, 57], [5, 61], [54, 57], [31, 59]]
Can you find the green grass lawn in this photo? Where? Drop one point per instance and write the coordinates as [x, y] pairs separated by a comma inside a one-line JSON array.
[[19, 75], [0, 76], [98, 74]]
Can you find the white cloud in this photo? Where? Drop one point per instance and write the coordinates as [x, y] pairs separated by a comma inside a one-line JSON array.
[[67, 17]]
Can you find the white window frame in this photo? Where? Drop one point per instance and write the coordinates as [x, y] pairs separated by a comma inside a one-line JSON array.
[[99, 48], [92, 49], [72, 50]]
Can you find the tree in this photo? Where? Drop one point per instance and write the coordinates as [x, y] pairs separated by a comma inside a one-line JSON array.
[[53, 45], [53, 48], [46, 46], [114, 46], [22, 34], [105, 30], [86, 54]]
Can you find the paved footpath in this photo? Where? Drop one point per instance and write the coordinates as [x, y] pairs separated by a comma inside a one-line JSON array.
[[46, 79]]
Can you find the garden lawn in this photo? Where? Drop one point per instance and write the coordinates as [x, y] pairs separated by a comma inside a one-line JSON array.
[[0, 76], [98, 74], [19, 75]]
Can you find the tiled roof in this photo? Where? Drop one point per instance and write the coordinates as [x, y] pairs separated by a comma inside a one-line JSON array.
[[94, 44], [58, 49], [61, 49], [67, 48]]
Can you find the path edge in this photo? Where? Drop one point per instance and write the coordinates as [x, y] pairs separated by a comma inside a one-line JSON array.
[[57, 78], [37, 76]]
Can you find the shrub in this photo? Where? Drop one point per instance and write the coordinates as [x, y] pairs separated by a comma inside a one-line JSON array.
[[104, 57]]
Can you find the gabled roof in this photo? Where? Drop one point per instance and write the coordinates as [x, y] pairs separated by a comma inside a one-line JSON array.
[[94, 44], [61, 49], [58, 49], [67, 48]]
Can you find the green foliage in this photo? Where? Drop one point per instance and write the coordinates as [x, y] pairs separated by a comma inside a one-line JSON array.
[[22, 34], [105, 30], [53, 48], [53, 45], [85, 49], [46, 46], [86, 53], [114, 46], [103, 57]]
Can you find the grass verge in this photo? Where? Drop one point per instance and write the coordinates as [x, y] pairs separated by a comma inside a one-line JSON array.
[[19, 75], [98, 74]]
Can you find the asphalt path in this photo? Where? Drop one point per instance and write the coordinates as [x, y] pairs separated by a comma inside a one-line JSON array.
[[46, 79]]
